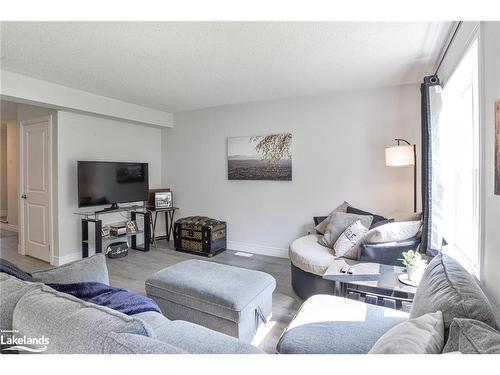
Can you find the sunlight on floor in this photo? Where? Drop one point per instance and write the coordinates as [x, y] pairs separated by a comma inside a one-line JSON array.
[[263, 331]]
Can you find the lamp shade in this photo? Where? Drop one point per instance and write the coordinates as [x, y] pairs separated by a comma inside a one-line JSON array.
[[399, 156]]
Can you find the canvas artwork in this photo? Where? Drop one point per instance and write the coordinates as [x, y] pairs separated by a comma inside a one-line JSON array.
[[497, 147], [265, 157]]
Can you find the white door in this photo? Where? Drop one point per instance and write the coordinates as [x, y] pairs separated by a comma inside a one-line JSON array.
[[36, 188]]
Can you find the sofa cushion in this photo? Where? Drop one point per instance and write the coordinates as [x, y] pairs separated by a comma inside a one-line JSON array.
[[70, 324], [128, 343], [339, 221], [308, 255], [470, 336], [336, 325], [197, 339], [422, 335], [393, 232], [321, 227], [11, 291], [91, 269], [193, 338], [446, 286]]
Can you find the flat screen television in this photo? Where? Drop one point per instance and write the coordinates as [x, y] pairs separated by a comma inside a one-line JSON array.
[[103, 182]]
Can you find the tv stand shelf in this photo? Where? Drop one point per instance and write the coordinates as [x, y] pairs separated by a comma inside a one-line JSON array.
[[92, 227]]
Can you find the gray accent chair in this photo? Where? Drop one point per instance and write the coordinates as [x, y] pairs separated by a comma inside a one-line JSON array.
[[336, 325], [77, 327]]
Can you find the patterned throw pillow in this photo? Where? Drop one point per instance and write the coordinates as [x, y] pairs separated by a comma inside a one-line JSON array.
[[347, 245], [339, 222]]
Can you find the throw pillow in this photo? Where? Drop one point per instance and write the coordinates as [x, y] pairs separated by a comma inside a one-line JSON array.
[[321, 227], [423, 335], [347, 244], [339, 221], [393, 232], [469, 336], [357, 211]]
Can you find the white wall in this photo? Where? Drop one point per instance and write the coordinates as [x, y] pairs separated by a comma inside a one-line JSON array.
[[12, 174], [338, 154], [490, 34], [82, 137]]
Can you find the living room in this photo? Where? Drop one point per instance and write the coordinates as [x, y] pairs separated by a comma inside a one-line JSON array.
[[270, 187]]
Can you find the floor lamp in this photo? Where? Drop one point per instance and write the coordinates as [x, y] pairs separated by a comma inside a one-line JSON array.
[[403, 155]]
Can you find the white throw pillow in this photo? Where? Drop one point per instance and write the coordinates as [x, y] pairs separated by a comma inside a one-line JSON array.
[[321, 227], [347, 244], [422, 335], [391, 232]]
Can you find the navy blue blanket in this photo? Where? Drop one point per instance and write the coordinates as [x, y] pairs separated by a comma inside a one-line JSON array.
[[97, 293]]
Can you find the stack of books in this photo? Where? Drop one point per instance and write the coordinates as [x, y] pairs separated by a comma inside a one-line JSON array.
[[118, 230]]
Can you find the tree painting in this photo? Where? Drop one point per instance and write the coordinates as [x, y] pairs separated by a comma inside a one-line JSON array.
[[266, 157]]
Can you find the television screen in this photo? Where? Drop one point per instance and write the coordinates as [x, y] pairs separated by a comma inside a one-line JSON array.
[[101, 183]]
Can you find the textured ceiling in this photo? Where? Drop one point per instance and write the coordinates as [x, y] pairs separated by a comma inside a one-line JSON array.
[[178, 66]]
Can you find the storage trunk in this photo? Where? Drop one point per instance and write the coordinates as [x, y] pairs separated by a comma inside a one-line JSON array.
[[200, 235]]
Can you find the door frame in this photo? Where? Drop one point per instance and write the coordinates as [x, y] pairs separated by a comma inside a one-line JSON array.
[[22, 202]]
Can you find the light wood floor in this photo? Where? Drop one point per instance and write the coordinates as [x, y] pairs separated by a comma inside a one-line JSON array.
[[132, 271]]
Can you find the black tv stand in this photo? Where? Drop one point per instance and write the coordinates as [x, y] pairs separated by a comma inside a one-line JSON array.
[[92, 229]]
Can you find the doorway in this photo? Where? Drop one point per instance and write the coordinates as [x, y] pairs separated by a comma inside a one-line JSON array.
[[36, 187]]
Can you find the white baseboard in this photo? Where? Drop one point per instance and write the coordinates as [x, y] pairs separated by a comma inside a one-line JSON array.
[[68, 258], [11, 227], [257, 249]]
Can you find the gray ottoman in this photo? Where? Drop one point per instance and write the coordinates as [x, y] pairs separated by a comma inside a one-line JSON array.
[[228, 299]]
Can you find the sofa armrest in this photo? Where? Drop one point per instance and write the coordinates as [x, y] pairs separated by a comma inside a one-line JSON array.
[[388, 252], [92, 269]]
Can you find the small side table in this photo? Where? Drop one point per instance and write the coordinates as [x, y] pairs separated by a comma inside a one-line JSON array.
[[372, 276], [169, 221]]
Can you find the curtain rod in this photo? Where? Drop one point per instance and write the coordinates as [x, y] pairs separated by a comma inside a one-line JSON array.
[[448, 46]]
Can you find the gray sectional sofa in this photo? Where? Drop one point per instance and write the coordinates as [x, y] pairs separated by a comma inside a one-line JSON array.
[[324, 324], [74, 326], [336, 325]]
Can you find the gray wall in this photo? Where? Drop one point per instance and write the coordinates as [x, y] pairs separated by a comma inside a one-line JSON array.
[[84, 137], [490, 33], [338, 154], [3, 171]]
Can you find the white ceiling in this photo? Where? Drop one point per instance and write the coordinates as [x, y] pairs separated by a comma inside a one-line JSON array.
[[178, 66]]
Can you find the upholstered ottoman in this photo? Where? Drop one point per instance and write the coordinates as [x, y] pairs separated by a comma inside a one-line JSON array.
[[228, 299]]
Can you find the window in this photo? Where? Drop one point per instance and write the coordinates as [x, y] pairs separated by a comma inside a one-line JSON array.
[[459, 139]]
